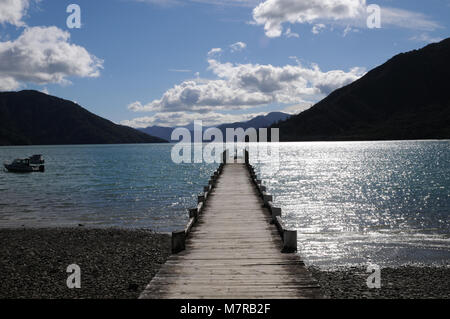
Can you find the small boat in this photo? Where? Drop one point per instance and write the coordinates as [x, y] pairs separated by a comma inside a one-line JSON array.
[[23, 166], [37, 160]]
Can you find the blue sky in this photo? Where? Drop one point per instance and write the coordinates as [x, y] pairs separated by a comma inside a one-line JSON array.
[[146, 62]]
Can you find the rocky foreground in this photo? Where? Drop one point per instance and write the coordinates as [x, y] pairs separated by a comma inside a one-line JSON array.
[[120, 263], [114, 263], [406, 282]]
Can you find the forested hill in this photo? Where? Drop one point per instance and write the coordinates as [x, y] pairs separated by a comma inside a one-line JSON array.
[[35, 118], [408, 97]]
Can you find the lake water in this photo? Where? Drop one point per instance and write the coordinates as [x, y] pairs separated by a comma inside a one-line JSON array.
[[352, 203], [120, 185], [360, 202]]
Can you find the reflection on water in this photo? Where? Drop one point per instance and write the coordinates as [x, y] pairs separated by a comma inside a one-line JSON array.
[[385, 202]]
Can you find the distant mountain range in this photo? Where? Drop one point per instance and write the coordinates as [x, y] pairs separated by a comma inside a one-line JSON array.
[[159, 131], [35, 118], [257, 123], [408, 97]]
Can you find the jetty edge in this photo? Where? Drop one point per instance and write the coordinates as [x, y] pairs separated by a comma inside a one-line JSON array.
[[234, 246]]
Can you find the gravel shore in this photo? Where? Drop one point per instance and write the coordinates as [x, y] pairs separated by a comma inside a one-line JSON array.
[[406, 282], [119, 263], [114, 263]]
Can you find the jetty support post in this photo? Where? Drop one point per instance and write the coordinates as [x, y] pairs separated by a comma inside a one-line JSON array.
[[200, 208], [276, 211], [178, 241], [193, 213], [267, 198], [289, 241], [289, 237], [225, 156]]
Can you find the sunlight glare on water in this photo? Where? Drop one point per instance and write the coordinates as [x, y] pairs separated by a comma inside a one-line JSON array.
[[358, 202]]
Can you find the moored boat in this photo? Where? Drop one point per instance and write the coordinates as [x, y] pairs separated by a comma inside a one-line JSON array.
[[23, 166], [37, 160]]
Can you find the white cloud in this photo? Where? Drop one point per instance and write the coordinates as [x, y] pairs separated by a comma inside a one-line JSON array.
[[238, 46], [244, 86], [214, 51], [173, 119], [8, 83], [317, 28], [425, 37], [297, 108], [291, 34], [407, 19], [43, 55], [13, 11], [349, 29], [272, 14]]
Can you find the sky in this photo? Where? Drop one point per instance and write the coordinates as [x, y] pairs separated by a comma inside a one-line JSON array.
[[170, 62]]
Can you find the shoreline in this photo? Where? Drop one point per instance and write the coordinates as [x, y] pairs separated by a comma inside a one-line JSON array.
[[119, 263], [286, 141], [115, 263], [402, 282]]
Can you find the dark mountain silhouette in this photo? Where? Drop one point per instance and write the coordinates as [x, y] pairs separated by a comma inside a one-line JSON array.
[[408, 97], [257, 122], [35, 118], [158, 131]]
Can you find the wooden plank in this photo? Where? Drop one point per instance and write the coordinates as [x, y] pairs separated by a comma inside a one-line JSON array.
[[233, 251]]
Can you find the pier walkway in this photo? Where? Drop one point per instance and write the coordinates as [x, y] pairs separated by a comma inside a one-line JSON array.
[[233, 250]]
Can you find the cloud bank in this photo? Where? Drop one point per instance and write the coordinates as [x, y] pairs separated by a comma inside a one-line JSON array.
[[13, 11], [243, 86], [174, 119], [272, 14], [40, 55], [43, 55]]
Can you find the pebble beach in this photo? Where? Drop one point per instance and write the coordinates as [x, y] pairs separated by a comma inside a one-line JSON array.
[[404, 282], [115, 263], [118, 264]]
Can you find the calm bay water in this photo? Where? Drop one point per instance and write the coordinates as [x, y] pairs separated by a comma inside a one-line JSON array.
[[120, 185], [382, 202]]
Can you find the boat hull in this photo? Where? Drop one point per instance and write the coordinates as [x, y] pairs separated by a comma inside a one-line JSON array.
[[24, 169]]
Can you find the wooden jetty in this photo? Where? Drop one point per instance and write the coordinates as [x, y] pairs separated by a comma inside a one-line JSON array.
[[232, 248]]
